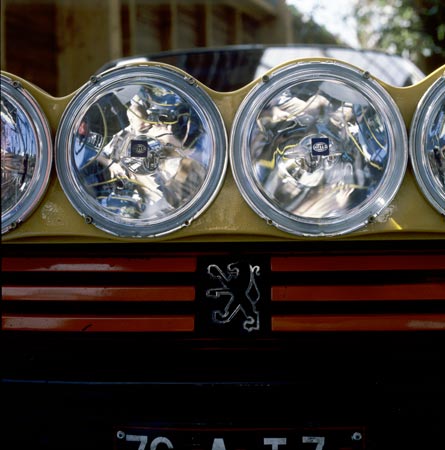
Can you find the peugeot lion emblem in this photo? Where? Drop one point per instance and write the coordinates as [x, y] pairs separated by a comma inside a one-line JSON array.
[[237, 294]]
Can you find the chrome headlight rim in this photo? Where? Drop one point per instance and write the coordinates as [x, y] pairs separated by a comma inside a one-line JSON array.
[[27, 105], [281, 79], [431, 105], [197, 98]]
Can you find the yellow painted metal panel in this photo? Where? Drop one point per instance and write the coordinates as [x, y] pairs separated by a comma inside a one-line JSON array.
[[229, 218]]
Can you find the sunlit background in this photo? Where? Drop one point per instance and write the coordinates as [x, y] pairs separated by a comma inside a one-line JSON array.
[[336, 16], [414, 29], [59, 44]]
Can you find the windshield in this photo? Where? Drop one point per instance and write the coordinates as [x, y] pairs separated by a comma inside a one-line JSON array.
[[232, 67]]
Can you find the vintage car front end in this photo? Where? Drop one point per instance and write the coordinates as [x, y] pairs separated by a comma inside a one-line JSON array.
[[190, 268]]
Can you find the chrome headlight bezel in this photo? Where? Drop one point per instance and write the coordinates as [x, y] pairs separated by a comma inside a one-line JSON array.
[[125, 79], [351, 82], [35, 158]]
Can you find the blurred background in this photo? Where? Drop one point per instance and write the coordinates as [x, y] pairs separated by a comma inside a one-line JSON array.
[[59, 44]]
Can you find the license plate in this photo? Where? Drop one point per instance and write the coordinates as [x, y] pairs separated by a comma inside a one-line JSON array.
[[193, 438]]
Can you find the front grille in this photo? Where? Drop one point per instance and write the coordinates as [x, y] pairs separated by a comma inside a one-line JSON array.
[[103, 336], [224, 290]]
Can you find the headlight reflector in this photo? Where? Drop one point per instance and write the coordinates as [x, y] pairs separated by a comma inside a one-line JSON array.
[[318, 148], [427, 144], [141, 151], [26, 153]]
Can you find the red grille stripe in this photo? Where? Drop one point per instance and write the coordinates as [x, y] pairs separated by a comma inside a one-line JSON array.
[[357, 263], [424, 291], [98, 323], [172, 264], [380, 322], [100, 293]]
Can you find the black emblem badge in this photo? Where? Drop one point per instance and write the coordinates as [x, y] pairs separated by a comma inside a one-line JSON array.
[[320, 146], [139, 148], [233, 300]]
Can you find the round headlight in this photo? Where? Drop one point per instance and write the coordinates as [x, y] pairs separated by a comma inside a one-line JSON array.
[[26, 153], [141, 151], [427, 144], [318, 148]]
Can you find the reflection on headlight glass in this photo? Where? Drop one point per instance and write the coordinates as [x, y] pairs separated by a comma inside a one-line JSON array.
[[142, 153], [316, 155], [318, 149], [427, 144], [19, 153], [25, 154], [436, 148]]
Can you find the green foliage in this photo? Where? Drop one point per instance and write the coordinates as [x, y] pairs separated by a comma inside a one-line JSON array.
[[309, 32], [412, 28]]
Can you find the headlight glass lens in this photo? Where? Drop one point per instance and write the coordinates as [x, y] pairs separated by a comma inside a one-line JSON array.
[[318, 148], [141, 151], [26, 153], [427, 144]]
